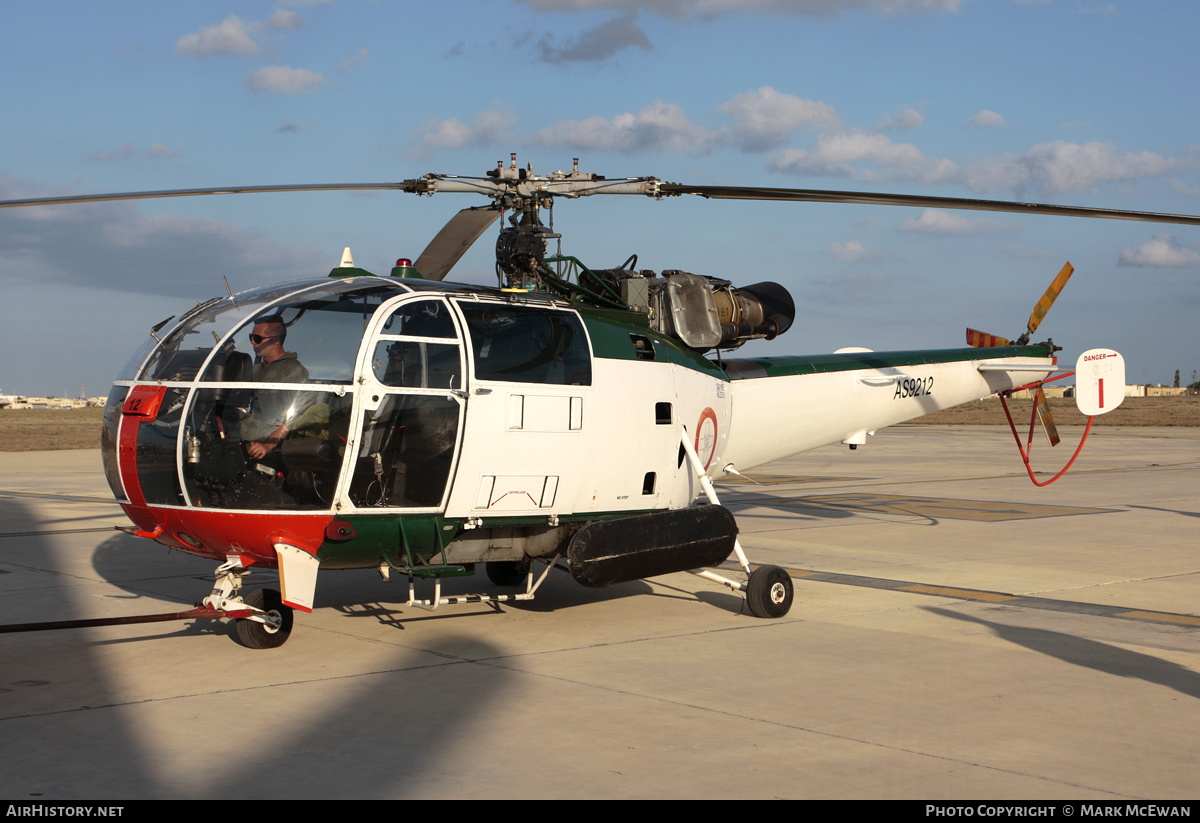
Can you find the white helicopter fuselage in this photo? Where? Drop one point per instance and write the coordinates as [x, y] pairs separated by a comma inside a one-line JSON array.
[[439, 426]]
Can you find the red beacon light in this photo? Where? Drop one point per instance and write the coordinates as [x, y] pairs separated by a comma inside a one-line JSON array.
[[404, 268]]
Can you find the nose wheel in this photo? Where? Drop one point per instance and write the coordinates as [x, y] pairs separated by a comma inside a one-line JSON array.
[[269, 630], [769, 592]]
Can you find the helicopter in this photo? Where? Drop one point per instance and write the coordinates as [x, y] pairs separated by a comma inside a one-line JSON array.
[[568, 415]]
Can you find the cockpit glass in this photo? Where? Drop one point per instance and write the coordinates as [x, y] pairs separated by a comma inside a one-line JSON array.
[[325, 320], [321, 329], [186, 346]]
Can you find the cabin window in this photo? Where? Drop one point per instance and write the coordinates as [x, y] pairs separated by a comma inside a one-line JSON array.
[[405, 452], [157, 472], [528, 344], [422, 318], [418, 348]]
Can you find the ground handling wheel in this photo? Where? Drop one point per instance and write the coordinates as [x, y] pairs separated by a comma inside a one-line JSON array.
[[769, 592], [255, 635]]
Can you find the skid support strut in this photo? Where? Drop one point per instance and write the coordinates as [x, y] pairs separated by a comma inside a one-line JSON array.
[[768, 589], [531, 587]]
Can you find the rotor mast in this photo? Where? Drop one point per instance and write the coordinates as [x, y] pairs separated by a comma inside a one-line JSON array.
[[521, 246]]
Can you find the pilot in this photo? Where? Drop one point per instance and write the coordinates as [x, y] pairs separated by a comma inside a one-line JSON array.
[[272, 414]]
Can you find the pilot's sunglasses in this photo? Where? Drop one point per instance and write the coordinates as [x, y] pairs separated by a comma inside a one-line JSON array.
[[259, 338]]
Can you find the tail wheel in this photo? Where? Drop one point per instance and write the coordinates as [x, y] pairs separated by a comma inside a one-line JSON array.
[[769, 592], [255, 635]]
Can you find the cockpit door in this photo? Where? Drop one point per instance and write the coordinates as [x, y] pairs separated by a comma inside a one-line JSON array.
[[409, 418]]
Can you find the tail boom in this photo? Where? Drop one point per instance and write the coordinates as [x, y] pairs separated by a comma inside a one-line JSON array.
[[787, 405]]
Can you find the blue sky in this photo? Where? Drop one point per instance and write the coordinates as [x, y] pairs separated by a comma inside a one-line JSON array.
[[1078, 103]]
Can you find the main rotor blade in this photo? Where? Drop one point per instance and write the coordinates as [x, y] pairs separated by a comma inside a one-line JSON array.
[[151, 195], [918, 200], [1043, 305], [452, 242]]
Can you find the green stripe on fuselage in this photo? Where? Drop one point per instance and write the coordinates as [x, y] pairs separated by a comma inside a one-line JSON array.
[[610, 330], [746, 368]]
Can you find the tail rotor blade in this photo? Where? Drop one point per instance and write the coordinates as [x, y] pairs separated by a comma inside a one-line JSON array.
[[983, 340], [1043, 305], [1045, 418]]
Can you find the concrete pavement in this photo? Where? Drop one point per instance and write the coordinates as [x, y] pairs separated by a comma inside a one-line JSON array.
[[957, 633]]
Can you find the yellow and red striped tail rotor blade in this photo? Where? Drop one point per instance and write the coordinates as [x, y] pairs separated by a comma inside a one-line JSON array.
[[1045, 418], [1043, 305], [983, 340]]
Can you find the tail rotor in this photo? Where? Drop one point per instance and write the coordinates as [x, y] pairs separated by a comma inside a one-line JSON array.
[[979, 339]]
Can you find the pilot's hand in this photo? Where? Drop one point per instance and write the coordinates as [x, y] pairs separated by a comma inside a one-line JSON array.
[[259, 450]]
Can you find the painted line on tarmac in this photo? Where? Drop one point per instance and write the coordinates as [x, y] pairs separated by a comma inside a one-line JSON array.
[[76, 498], [984, 596], [59, 531]]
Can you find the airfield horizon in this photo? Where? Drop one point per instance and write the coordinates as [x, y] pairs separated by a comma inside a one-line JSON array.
[[56, 429]]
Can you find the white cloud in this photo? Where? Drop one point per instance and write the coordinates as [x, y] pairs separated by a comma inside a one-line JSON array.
[[1062, 166], [1179, 187], [490, 126], [228, 37], [909, 118], [844, 155], [234, 35], [162, 150], [1160, 251], [129, 150], [936, 221], [1108, 10], [351, 62], [598, 43], [284, 19], [852, 251], [986, 118], [113, 246], [765, 118], [283, 80], [715, 8], [657, 127]]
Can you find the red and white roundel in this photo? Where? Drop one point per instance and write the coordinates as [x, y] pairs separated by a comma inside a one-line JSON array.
[[706, 437]]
